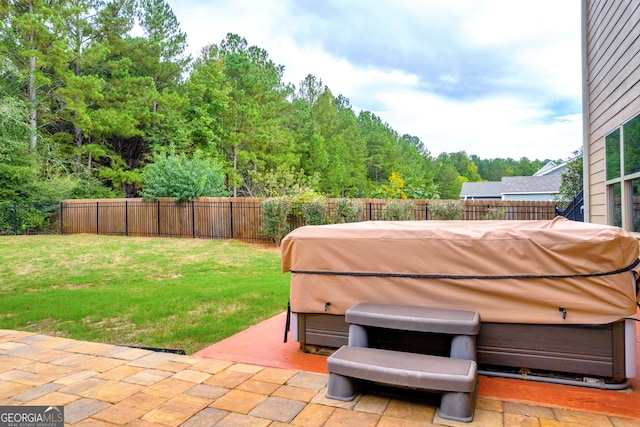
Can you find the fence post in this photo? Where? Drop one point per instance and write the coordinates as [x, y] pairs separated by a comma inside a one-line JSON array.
[[158, 217], [426, 210], [231, 217], [61, 219], [15, 218], [370, 211], [193, 219], [126, 217], [97, 217]]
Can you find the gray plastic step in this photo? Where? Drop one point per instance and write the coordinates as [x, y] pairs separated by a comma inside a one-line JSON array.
[[414, 318], [457, 378]]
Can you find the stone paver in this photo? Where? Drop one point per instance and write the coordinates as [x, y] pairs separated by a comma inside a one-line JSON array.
[[259, 387], [192, 376], [414, 411], [53, 399], [88, 347], [373, 404], [111, 391], [36, 392], [308, 380], [14, 375], [44, 376], [57, 342], [177, 410], [241, 420], [168, 387], [80, 386], [130, 409], [71, 359], [32, 339], [7, 363], [211, 366], [9, 389], [228, 378], [208, 391], [387, 421], [273, 375], [119, 373], [82, 409], [205, 418], [278, 409], [147, 377], [296, 393], [482, 418], [100, 364], [313, 415], [528, 410], [76, 377], [241, 402], [125, 353], [343, 417]]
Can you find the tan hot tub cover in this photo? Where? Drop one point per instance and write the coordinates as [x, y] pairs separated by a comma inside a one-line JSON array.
[[544, 272]]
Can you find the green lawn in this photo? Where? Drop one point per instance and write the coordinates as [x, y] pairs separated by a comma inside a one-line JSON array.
[[154, 292]]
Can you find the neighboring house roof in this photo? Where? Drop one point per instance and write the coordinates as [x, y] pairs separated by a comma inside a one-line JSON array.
[[552, 169], [481, 190], [531, 184], [546, 184]]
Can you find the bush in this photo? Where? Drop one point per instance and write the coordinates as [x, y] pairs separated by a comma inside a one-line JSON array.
[[399, 210], [274, 218], [182, 178], [446, 210], [495, 213], [28, 217], [315, 212], [347, 210]]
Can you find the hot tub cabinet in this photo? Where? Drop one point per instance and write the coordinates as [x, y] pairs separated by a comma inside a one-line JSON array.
[[556, 298]]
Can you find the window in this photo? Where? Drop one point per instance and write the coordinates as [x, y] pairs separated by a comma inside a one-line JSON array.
[[622, 160]]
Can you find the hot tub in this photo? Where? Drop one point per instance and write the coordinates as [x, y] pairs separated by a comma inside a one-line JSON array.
[[556, 298]]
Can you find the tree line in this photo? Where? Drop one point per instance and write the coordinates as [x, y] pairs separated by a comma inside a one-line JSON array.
[[88, 110]]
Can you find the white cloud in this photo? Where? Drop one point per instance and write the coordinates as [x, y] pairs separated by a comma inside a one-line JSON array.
[[496, 78]]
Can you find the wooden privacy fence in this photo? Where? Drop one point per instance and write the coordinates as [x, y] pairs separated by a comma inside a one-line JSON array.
[[239, 218]]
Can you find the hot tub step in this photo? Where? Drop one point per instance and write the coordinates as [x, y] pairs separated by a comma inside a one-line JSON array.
[[456, 378]]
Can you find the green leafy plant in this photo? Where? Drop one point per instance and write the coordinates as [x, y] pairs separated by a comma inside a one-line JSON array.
[[315, 212], [399, 210], [495, 213], [182, 178], [347, 210], [275, 218], [446, 210], [571, 180]]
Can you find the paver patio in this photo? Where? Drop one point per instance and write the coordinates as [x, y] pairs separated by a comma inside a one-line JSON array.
[[107, 385]]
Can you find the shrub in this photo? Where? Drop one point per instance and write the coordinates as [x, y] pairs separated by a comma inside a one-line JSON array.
[[315, 212], [27, 217], [182, 178], [399, 210], [495, 213], [446, 209], [274, 218], [347, 210]]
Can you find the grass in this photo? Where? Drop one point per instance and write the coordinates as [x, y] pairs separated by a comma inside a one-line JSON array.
[[152, 292]]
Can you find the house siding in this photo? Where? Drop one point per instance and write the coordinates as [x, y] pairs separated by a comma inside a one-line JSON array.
[[611, 58]]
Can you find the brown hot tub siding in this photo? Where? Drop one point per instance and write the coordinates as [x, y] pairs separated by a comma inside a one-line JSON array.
[[584, 350]]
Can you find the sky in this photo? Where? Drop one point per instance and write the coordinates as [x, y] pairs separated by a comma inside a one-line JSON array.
[[495, 78]]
